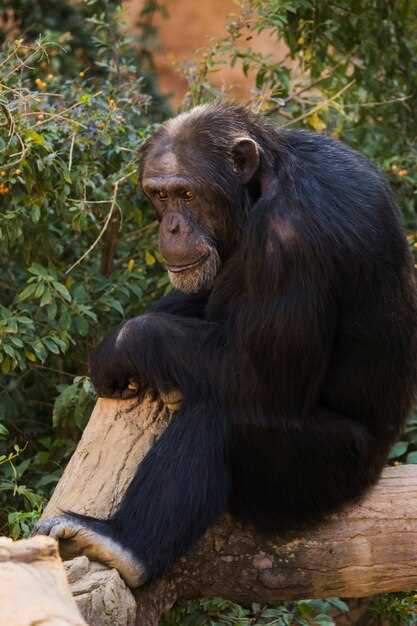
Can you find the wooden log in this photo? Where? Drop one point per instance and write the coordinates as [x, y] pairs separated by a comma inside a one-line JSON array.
[[115, 440], [367, 549], [33, 585], [101, 595]]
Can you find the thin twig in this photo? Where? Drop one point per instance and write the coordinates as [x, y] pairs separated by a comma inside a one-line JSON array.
[[9, 119], [113, 202], [52, 369], [88, 201], [61, 113], [320, 105], [319, 80], [63, 117], [12, 133], [25, 62], [380, 102], [7, 59], [71, 152]]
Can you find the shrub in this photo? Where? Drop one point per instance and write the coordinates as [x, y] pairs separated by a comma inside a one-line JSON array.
[[348, 70], [76, 248]]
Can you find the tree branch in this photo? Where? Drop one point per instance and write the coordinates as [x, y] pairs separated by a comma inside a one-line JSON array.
[[368, 549]]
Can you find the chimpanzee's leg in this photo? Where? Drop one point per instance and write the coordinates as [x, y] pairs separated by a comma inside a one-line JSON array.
[[180, 489], [308, 466]]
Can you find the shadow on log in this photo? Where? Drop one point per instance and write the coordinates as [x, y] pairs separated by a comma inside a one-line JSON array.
[[368, 549]]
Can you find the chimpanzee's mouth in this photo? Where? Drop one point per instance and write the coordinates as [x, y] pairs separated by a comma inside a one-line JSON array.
[[182, 268]]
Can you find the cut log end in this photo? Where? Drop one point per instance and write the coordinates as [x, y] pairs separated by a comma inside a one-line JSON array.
[[33, 585]]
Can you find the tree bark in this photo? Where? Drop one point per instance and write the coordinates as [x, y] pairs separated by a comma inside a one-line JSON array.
[[367, 549], [33, 586]]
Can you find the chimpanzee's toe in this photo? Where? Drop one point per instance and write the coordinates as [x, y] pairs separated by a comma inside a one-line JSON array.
[[75, 539]]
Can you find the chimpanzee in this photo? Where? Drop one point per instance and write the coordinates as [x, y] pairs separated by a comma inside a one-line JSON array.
[[291, 334]]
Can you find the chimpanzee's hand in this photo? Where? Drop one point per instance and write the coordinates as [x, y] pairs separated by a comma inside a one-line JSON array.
[[142, 355], [112, 372]]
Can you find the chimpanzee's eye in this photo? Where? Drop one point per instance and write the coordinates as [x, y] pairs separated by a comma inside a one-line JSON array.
[[188, 195], [162, 195]]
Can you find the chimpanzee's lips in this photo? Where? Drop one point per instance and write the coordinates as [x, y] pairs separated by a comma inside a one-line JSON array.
[[182, 268]]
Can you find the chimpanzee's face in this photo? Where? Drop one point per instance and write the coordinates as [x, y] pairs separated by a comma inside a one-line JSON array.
[[186, 181], [192, 221]]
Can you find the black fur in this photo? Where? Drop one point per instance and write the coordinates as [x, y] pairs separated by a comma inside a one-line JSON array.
[[297, 369]]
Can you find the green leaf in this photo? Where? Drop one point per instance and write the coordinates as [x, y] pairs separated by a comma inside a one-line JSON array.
[[412, 436], [398, 449], [27, 292], [51, 345], [59, 342], [39, 350], [46, 298], [61, 289], [116, 305], [39, 270], [12, 325], [49, 479], [65, 321], [82, 326], [35, 214], [339, 604], [9, 350], [40, 288], [16, 341], [411, 457], [323, 620], [52, 311], [138, 216]]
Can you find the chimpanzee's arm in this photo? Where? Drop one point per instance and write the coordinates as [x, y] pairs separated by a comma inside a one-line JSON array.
[[122, 356], [183, 485], [183, 304], [160, 351]]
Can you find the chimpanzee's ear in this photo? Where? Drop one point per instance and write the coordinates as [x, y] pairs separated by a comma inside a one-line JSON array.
[[245, 153]]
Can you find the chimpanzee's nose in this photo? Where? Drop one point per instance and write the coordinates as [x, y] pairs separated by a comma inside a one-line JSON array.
[[172, 224], [175, 225], [178, 239]]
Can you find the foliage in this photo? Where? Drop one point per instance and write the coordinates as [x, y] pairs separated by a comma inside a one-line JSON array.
[[399, 608], [76, 246], [405, 450], [396, 609], [79, 28], [346, 68], [219, 612], [65, 21]]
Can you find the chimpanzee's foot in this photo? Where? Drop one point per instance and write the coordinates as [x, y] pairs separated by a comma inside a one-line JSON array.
[[75, 539]]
